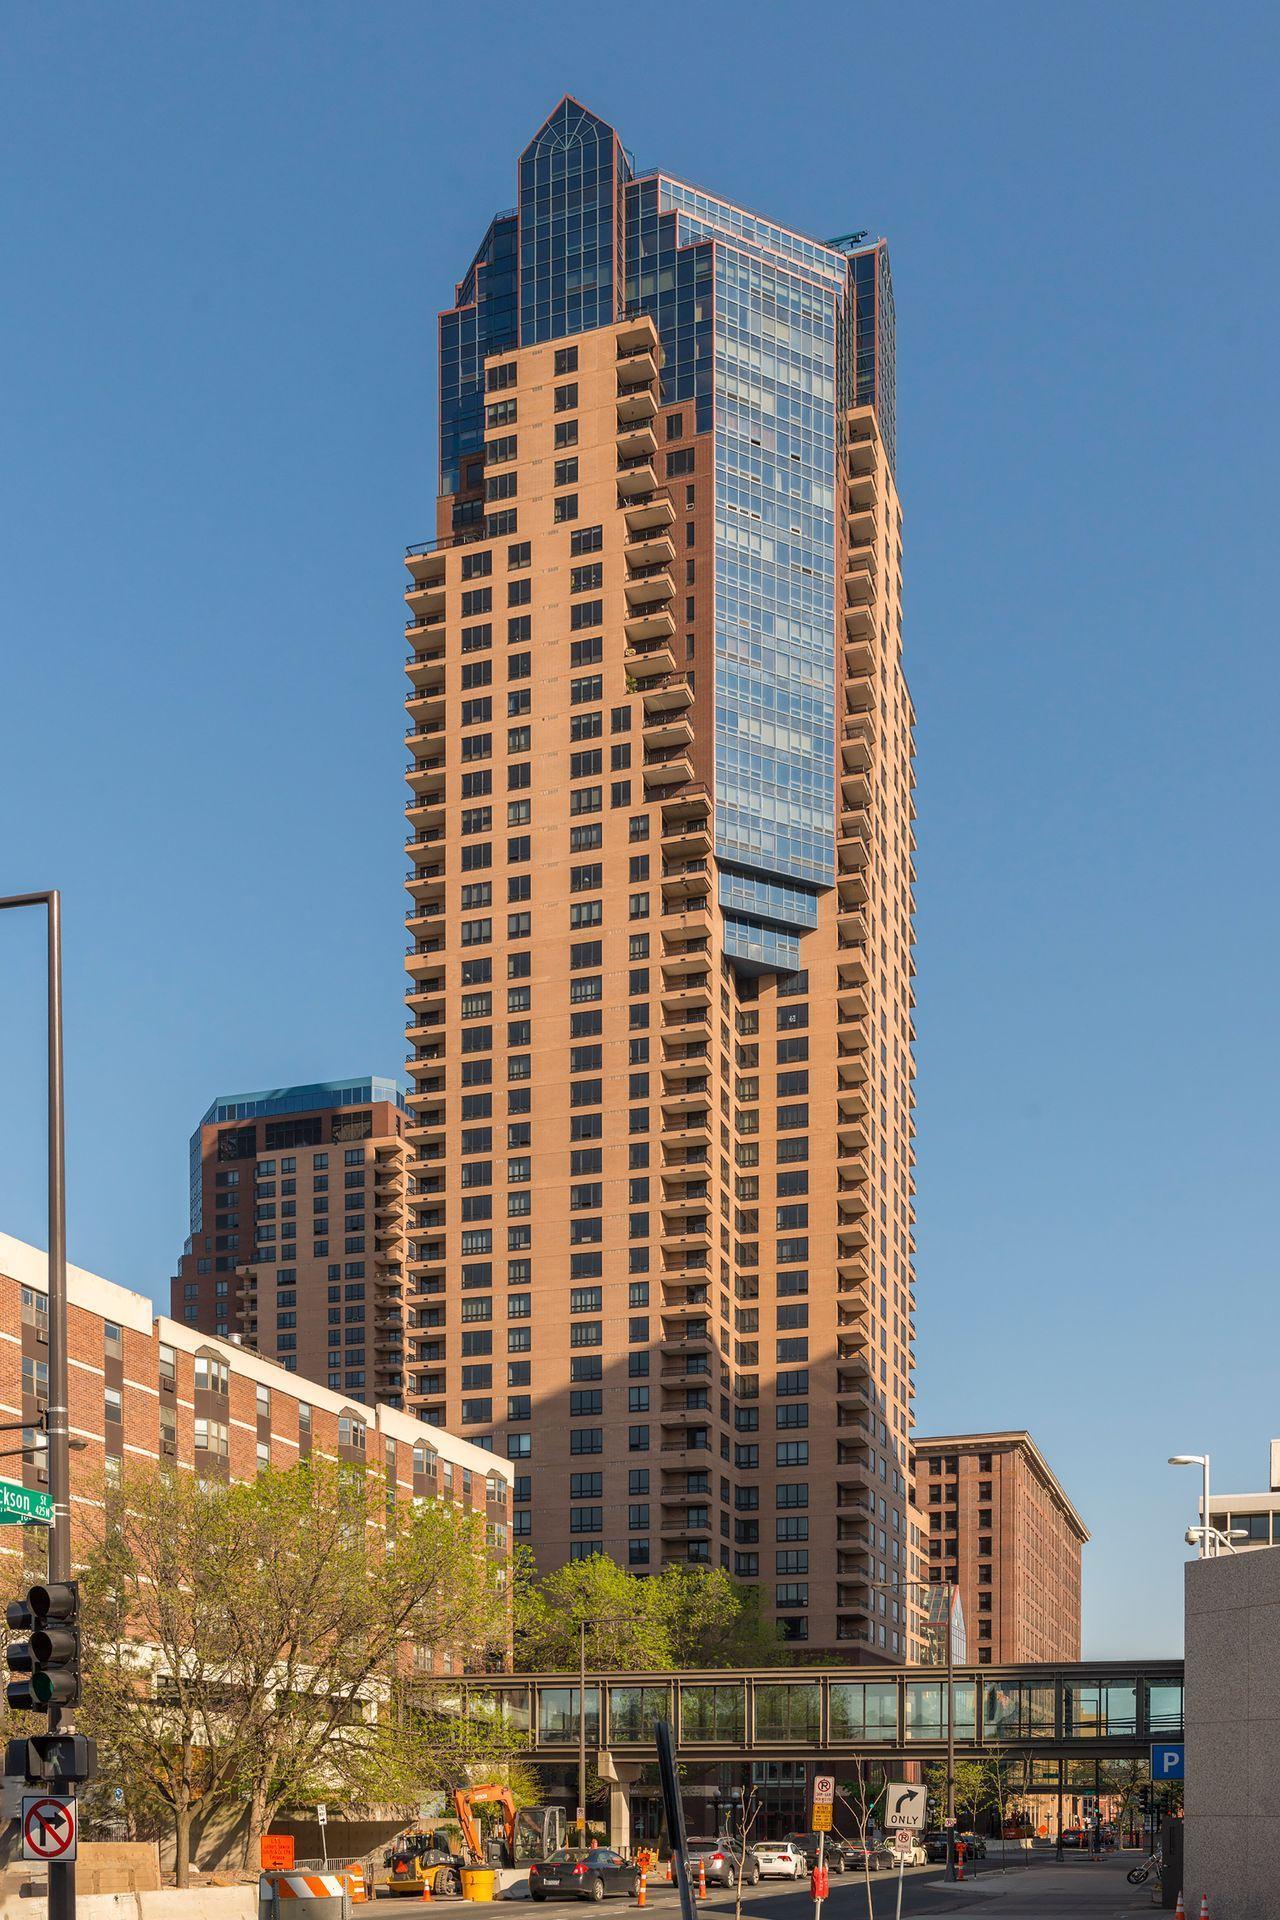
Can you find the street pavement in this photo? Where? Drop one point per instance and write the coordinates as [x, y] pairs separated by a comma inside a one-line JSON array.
[[1035, 1888]]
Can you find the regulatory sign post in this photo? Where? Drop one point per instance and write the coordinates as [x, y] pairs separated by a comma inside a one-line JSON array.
[[322, 1821], [905, 1808], [48, 1828], [824, 1799]]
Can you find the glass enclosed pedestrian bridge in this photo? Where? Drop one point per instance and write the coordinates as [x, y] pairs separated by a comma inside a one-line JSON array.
[[1087, 1710]]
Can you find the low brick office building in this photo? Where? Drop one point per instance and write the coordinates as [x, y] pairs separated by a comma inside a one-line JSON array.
[[1002, 1528], [145, 1389]]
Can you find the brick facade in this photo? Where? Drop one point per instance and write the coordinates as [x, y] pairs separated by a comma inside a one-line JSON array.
[[1002, 1528], [146, 1389]]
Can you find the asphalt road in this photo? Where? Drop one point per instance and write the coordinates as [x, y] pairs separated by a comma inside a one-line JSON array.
[[1036, 1888]]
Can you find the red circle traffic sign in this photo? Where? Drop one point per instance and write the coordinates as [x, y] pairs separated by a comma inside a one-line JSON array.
[[49, 1828]]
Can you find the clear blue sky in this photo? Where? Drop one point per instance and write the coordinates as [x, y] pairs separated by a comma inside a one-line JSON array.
[[227, 230]]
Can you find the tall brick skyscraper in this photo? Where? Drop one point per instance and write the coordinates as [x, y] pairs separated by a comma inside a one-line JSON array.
[[661, 869]]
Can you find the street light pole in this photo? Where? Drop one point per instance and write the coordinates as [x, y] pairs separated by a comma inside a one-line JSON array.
[[1208, 1538], [951, 1739], [582, 1731], [62, 1875]]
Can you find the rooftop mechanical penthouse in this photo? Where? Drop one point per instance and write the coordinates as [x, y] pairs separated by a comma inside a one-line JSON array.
[[660, 893]]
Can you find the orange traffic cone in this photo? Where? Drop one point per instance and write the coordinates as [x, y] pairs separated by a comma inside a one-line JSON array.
[[426, 1887], [1179, 1912], [702, 1879], [1204, 1906], [641, 1898]]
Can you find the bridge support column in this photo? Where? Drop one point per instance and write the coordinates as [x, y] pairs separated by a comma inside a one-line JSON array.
[[621, 1777]]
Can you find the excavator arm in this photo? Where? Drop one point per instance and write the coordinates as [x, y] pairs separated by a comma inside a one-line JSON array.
[[465, 1799]]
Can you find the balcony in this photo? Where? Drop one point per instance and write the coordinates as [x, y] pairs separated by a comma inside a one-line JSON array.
[[852, 1101], [426, 672], [670, 768], [852, 1004], [663, 732], [860, 621], [635, 477], [859, 582], [424, 957], [852, 888], [861, 456], [636, 406], [861, 491], [668, 696], [691, 806], [650, 515], [651, 587], [648, 663], [637, 366], [425, 597], [650, 550], [859, 658], [637, 442], [862, 521], [426, 777], [646, 624], [689, 881], [426, 883]]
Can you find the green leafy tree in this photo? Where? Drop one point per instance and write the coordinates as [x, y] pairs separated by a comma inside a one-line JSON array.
[[247, 1643], [683, 1617]]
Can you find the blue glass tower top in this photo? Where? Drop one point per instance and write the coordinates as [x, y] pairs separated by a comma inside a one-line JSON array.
[[572, 177], [772, 335]]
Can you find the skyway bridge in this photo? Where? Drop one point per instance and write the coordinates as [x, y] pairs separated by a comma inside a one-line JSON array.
[[1064, 1717]]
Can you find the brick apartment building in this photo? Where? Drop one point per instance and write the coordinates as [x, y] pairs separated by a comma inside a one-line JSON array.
[[660, 919], [1002, 1528], [298, 1208], [145, 1390]]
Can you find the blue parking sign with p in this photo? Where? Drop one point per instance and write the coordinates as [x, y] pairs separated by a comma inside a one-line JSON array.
[[1169, 1762]]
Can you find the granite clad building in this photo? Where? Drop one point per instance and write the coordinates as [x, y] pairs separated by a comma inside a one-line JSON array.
[[660, 877], [1002, 1529], [148, 1392], [297, 1200]]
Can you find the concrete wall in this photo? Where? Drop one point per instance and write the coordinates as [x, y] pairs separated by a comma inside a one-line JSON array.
[[1233, 1736]]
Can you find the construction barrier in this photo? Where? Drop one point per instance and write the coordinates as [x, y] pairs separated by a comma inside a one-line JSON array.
[[327, 1896], [477, 1883]]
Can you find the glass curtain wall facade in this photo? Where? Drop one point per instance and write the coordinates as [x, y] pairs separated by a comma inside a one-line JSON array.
[[660, 919]]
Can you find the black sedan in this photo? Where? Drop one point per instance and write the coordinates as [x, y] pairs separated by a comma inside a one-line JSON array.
[[583, 1876]]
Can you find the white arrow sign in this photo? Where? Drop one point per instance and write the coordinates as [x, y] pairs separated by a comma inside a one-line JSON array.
[[905, 1805]]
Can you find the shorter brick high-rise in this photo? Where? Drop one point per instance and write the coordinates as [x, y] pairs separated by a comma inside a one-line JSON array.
[[297, 1231], [1002, 1528]]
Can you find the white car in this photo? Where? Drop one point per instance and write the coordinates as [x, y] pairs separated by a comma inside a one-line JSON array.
[[779, 1860]]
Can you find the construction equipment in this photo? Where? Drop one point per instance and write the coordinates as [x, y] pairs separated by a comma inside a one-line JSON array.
[[425, 1859]]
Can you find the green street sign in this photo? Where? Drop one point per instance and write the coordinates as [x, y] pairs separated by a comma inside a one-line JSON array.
[[19, 1505]]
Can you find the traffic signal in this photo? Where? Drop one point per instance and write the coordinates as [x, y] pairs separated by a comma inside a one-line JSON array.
[[48, 1660]]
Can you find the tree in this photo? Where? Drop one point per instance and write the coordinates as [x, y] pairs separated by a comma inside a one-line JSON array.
[[682, 1617], [862, 1797], [745, 1810], [246, 1643]]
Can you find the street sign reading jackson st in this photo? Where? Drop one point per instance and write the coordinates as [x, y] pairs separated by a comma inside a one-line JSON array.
[[20, 1504]]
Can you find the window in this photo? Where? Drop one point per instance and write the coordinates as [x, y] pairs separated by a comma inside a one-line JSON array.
[[566, 360], [566, 508], [566, 397], [586, 540]]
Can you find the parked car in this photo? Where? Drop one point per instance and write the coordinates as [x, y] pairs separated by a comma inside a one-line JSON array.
[[583, 1876], [917, 1857], [719, 1859], [779, 1860], [869, 1858], [808, 1844], [975, 1847], [935, 1843], [1074, 1837]]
